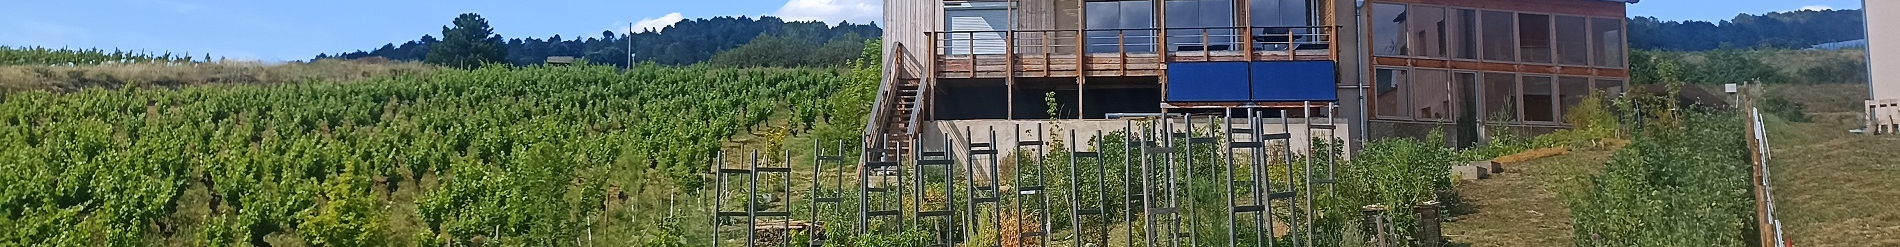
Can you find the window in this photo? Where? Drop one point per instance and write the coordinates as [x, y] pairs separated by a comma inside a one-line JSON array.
[[1500, 36], [1126, 14], [1273, 22], [1500, 97], [1533, 38], [1539, 99], [1278, 13], [1611, 88], [1611, 47], [1573, 41], [979, 26], [1391, 92], [1465, 34], [1428, 26], [1571, 90], [1201, 25], [1431, 94], [1388, 30], [1464, 89]]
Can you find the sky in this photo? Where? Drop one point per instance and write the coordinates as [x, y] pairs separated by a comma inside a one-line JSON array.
[[297, 30]]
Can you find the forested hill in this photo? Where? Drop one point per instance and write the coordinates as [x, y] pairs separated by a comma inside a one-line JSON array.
[[689, 41], [1794, 29]]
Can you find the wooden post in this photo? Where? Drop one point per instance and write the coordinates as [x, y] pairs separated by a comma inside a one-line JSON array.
[[1009, 61], [1081, 54], [1428, 227], [1246, 30], [1373, 223]]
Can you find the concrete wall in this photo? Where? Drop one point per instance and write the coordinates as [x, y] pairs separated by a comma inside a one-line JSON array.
[[1007, 134], [1883, 45]]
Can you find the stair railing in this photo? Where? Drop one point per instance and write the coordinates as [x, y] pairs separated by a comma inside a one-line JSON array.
[[880, 117]]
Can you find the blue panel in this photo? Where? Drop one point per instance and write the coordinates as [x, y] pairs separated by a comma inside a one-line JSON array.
[[1294, 81], [1207, 82]]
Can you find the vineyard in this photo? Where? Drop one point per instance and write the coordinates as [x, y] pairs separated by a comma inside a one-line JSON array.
[[63, 56], [517, 156]]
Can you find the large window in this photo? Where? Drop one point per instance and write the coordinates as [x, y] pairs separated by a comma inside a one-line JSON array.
[[1279, 13], [1391, 96], [1611, 88], [1533, 38], [1428, 25], [1572, 90], [978, 27], [1201, 25], [1464, 44], [1464, 88], [1573, 41], [1127, 14], [1500, 97], [1539, 99], [1431, 94], [1388, 30], [1608, 34], [1500, 36]]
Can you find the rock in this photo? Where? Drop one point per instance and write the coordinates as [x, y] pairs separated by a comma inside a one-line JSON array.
[[1469, 172]]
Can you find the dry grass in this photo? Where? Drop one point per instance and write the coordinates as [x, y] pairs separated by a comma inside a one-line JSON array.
[[1834, 188], [69, 78], [1531, 155], [1824, 98], [1525, 206]]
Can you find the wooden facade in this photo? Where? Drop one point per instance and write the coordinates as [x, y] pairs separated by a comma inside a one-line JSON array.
[[1496, 62], [1053, 44]]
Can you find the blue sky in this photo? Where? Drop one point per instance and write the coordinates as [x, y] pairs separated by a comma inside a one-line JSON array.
[[294, 30]]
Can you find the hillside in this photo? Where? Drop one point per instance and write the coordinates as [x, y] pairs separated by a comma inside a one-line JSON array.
[[1792, 29], [687, 42]]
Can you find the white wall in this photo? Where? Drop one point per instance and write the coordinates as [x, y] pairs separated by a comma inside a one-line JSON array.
[[1884, 60]]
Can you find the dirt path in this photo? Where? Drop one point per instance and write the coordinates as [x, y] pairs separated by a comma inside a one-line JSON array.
[[1523, 206]]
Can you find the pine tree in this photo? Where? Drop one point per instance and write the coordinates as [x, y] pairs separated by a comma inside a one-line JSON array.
[[469, 44]]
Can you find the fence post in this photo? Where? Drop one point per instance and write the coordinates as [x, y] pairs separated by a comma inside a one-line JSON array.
[[1374, 224], [1428, 227]]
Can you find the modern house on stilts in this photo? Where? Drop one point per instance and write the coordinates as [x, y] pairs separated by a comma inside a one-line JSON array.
[[1391, 67]]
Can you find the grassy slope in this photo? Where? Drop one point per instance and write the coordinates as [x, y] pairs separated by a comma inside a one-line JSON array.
[[1834, 188], [1524, 206]]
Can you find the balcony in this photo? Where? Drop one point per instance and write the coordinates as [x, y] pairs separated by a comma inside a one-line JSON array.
[[1119, 52]]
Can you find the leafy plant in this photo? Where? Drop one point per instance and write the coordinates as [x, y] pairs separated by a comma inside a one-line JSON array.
[[1398, 173]]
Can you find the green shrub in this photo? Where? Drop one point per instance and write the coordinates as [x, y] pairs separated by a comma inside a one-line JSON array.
[[909, 238], [1399, 173], [1781, 107], [1677, 184], [1837, 69]]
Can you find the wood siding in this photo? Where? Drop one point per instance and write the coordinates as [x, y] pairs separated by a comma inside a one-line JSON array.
[[1591, 8], [906, 39]]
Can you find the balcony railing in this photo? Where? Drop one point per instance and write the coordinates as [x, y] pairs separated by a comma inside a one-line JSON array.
[[1120, 49]]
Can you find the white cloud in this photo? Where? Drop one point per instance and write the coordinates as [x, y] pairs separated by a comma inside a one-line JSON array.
[[656, 23], [833, 11], [1816, 7]]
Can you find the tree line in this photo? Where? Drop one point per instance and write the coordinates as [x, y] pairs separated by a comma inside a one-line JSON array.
[[1788, 30], [686, 42]]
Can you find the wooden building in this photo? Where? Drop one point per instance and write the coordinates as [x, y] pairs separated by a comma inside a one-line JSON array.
[[1393, 65]]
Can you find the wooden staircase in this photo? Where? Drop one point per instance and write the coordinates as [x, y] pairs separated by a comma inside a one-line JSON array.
[[899, 131], [900, 107]]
